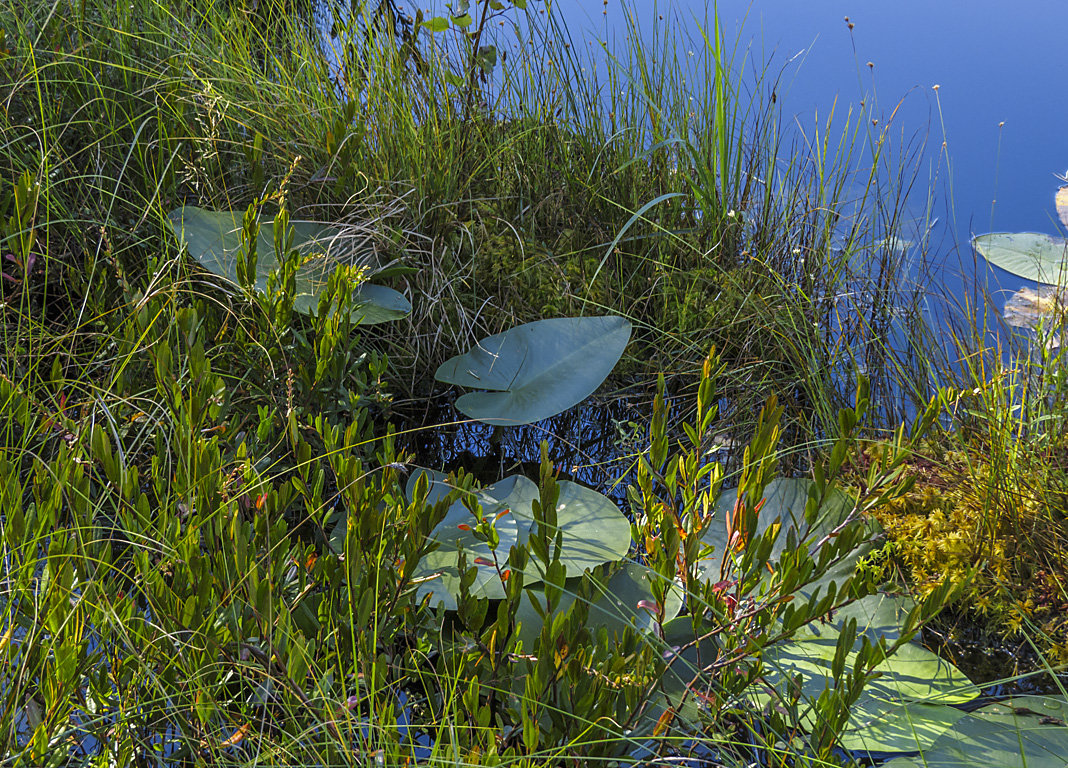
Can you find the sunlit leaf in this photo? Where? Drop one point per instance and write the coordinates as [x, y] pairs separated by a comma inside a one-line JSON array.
[[785, 500], [910, 673], [536, 370], [626, 600], [594, 532], [877, 726], [593, 529], [1027, 307], [437, 571], [1023, 732], [436, 24], [1031, 255]]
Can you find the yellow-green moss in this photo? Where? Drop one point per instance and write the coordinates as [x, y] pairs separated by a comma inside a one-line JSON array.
[[993, 531]]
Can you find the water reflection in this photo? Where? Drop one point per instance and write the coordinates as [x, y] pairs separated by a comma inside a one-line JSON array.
[[596, 444]]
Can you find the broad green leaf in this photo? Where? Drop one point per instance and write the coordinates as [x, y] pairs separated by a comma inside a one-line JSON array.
[[910, 673], [1024, 732], [536, 370], [594, 532], [213, 238], [1031, 255], [1049, 707], [877, 615], [487, 58], [436, 24], [624, 602], [437, 572], [785, 500], [879, 726]]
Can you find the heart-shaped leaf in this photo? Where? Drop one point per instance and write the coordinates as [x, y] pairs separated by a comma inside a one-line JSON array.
[[877, 615], [911, 673], [1030, 255], [437, 571], [213, 238], [626, 600], [536, 370], [594, 532], [1024, 732], [877, 726], [784, 502]]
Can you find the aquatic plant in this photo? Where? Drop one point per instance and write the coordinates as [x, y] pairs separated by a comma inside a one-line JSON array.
[[244, 254], [1030, 255], [210, 550], [1033, 256], [538, 369]]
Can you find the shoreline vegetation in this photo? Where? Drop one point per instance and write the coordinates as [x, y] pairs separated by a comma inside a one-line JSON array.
[[234, 252]]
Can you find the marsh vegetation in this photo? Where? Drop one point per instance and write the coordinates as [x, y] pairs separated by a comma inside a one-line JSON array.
[[242, 261]]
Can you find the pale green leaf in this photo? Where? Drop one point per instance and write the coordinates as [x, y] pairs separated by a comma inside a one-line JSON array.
[[213, 238], [1030, 255], [1024, 732], [536, 370], [436, 24], [594, 532], [622, 603], [879, 726]]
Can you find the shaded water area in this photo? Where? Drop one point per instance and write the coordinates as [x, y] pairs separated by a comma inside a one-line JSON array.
[[594, 444]]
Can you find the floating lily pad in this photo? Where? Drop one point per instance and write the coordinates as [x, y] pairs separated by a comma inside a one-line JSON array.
[[1030, 255], [213, 238], [911, 673], [879, 726], [536, 370], [785, 500], [437, 571], [625, 602], [594, 532], [1025, 732]]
